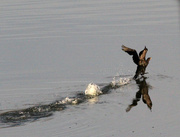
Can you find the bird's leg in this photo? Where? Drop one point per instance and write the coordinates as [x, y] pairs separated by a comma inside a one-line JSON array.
[[138, 71]]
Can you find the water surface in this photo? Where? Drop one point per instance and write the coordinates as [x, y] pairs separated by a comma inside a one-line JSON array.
[[51, 50]]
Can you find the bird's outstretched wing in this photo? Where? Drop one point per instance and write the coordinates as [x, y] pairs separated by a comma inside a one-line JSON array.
[[142, 54], [131, 52]]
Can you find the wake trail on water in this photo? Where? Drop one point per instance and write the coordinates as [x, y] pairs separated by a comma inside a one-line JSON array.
[[22, 116]]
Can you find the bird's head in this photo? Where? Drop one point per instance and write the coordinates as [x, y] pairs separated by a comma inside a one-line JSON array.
[[145, 48]]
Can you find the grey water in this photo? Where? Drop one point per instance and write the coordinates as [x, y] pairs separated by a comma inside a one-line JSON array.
[[50, 50]]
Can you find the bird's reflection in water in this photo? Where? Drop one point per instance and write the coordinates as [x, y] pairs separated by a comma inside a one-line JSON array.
[[143, 91]]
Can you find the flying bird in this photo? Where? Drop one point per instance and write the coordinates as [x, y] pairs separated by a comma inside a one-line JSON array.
[[140, 60]]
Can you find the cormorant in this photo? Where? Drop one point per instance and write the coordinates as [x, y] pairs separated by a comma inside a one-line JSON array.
[[140, 60]]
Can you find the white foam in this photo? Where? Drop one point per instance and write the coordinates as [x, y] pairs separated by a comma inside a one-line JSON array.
[[68, 101], [120, 82], [93, 90]]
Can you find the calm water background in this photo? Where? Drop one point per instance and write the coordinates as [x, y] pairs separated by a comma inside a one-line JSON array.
[[53, 49]]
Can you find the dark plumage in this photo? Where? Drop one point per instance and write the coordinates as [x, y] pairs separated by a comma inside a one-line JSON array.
[[140, 60]]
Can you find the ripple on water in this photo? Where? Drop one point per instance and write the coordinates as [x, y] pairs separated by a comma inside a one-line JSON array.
[[20, 117]]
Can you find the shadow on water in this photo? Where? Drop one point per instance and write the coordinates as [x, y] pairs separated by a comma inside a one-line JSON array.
[[142, 92]]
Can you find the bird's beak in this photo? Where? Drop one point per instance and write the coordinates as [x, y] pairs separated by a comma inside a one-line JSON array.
[[145, 48]]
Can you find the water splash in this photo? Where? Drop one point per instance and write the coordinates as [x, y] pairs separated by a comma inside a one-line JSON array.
[[120, 82], [72, 100], [20, 117], [93, 90]]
